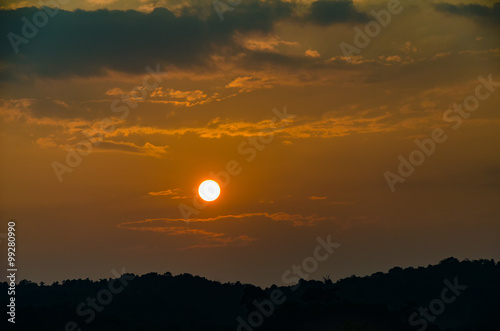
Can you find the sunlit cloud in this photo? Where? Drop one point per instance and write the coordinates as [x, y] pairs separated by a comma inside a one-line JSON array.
[[312, 53], [177, 227], [147, 149], [175, 193], [15, 5], [248, 84], [271, 43], [188, 95], [115, 91], [316, 198], [393, 58]]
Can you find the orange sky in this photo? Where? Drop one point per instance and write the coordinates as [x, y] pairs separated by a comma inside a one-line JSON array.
[[100, 178]]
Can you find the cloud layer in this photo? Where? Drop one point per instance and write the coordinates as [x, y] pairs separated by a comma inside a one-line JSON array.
[[90, 43]]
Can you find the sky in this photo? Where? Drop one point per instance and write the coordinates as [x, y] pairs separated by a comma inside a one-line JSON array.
[[373, 125]]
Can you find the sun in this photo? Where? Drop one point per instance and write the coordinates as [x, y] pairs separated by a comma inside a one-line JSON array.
[[209, 190]]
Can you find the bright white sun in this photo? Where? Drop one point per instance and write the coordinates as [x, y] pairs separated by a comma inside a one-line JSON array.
[[209, 190]]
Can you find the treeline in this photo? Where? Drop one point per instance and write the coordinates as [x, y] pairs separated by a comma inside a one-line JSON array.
[[450, 296]]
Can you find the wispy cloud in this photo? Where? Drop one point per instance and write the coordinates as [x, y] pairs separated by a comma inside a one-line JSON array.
[[175, 193], [312, 53], [248, 84], [115, 91], [147, 149], [296, 219], [178, 227], [270, 43], [317, 198], [209, 238]]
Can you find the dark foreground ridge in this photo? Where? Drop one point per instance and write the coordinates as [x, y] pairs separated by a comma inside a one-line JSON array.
[[450, 296]]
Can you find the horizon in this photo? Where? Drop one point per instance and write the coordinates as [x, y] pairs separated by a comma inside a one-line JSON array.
[[117, 274]]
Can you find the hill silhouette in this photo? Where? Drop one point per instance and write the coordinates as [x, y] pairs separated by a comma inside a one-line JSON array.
[[450, 296]]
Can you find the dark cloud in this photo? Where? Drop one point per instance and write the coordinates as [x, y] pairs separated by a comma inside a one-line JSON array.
[[87, 43], [483, 14], [326, 12]]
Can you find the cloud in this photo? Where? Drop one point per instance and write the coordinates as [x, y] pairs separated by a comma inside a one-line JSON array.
[[408, 48], [171, 93], [312, 53], [393, 58], [247, 84], [216, 128], [270, 43], [174, 226], [27, 111], [67, 129], [329, 127], [178, 227], [326, 12], [355, 59], [441, 55], [15, 5], [482, 14], [326, 127], [475, 52], [95, 43], [115, 91], [316, 198], [89, 43], [174, 193], [147, 149], [46, 142]]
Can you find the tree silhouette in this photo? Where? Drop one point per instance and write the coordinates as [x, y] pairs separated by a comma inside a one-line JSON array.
[[381, 301]]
